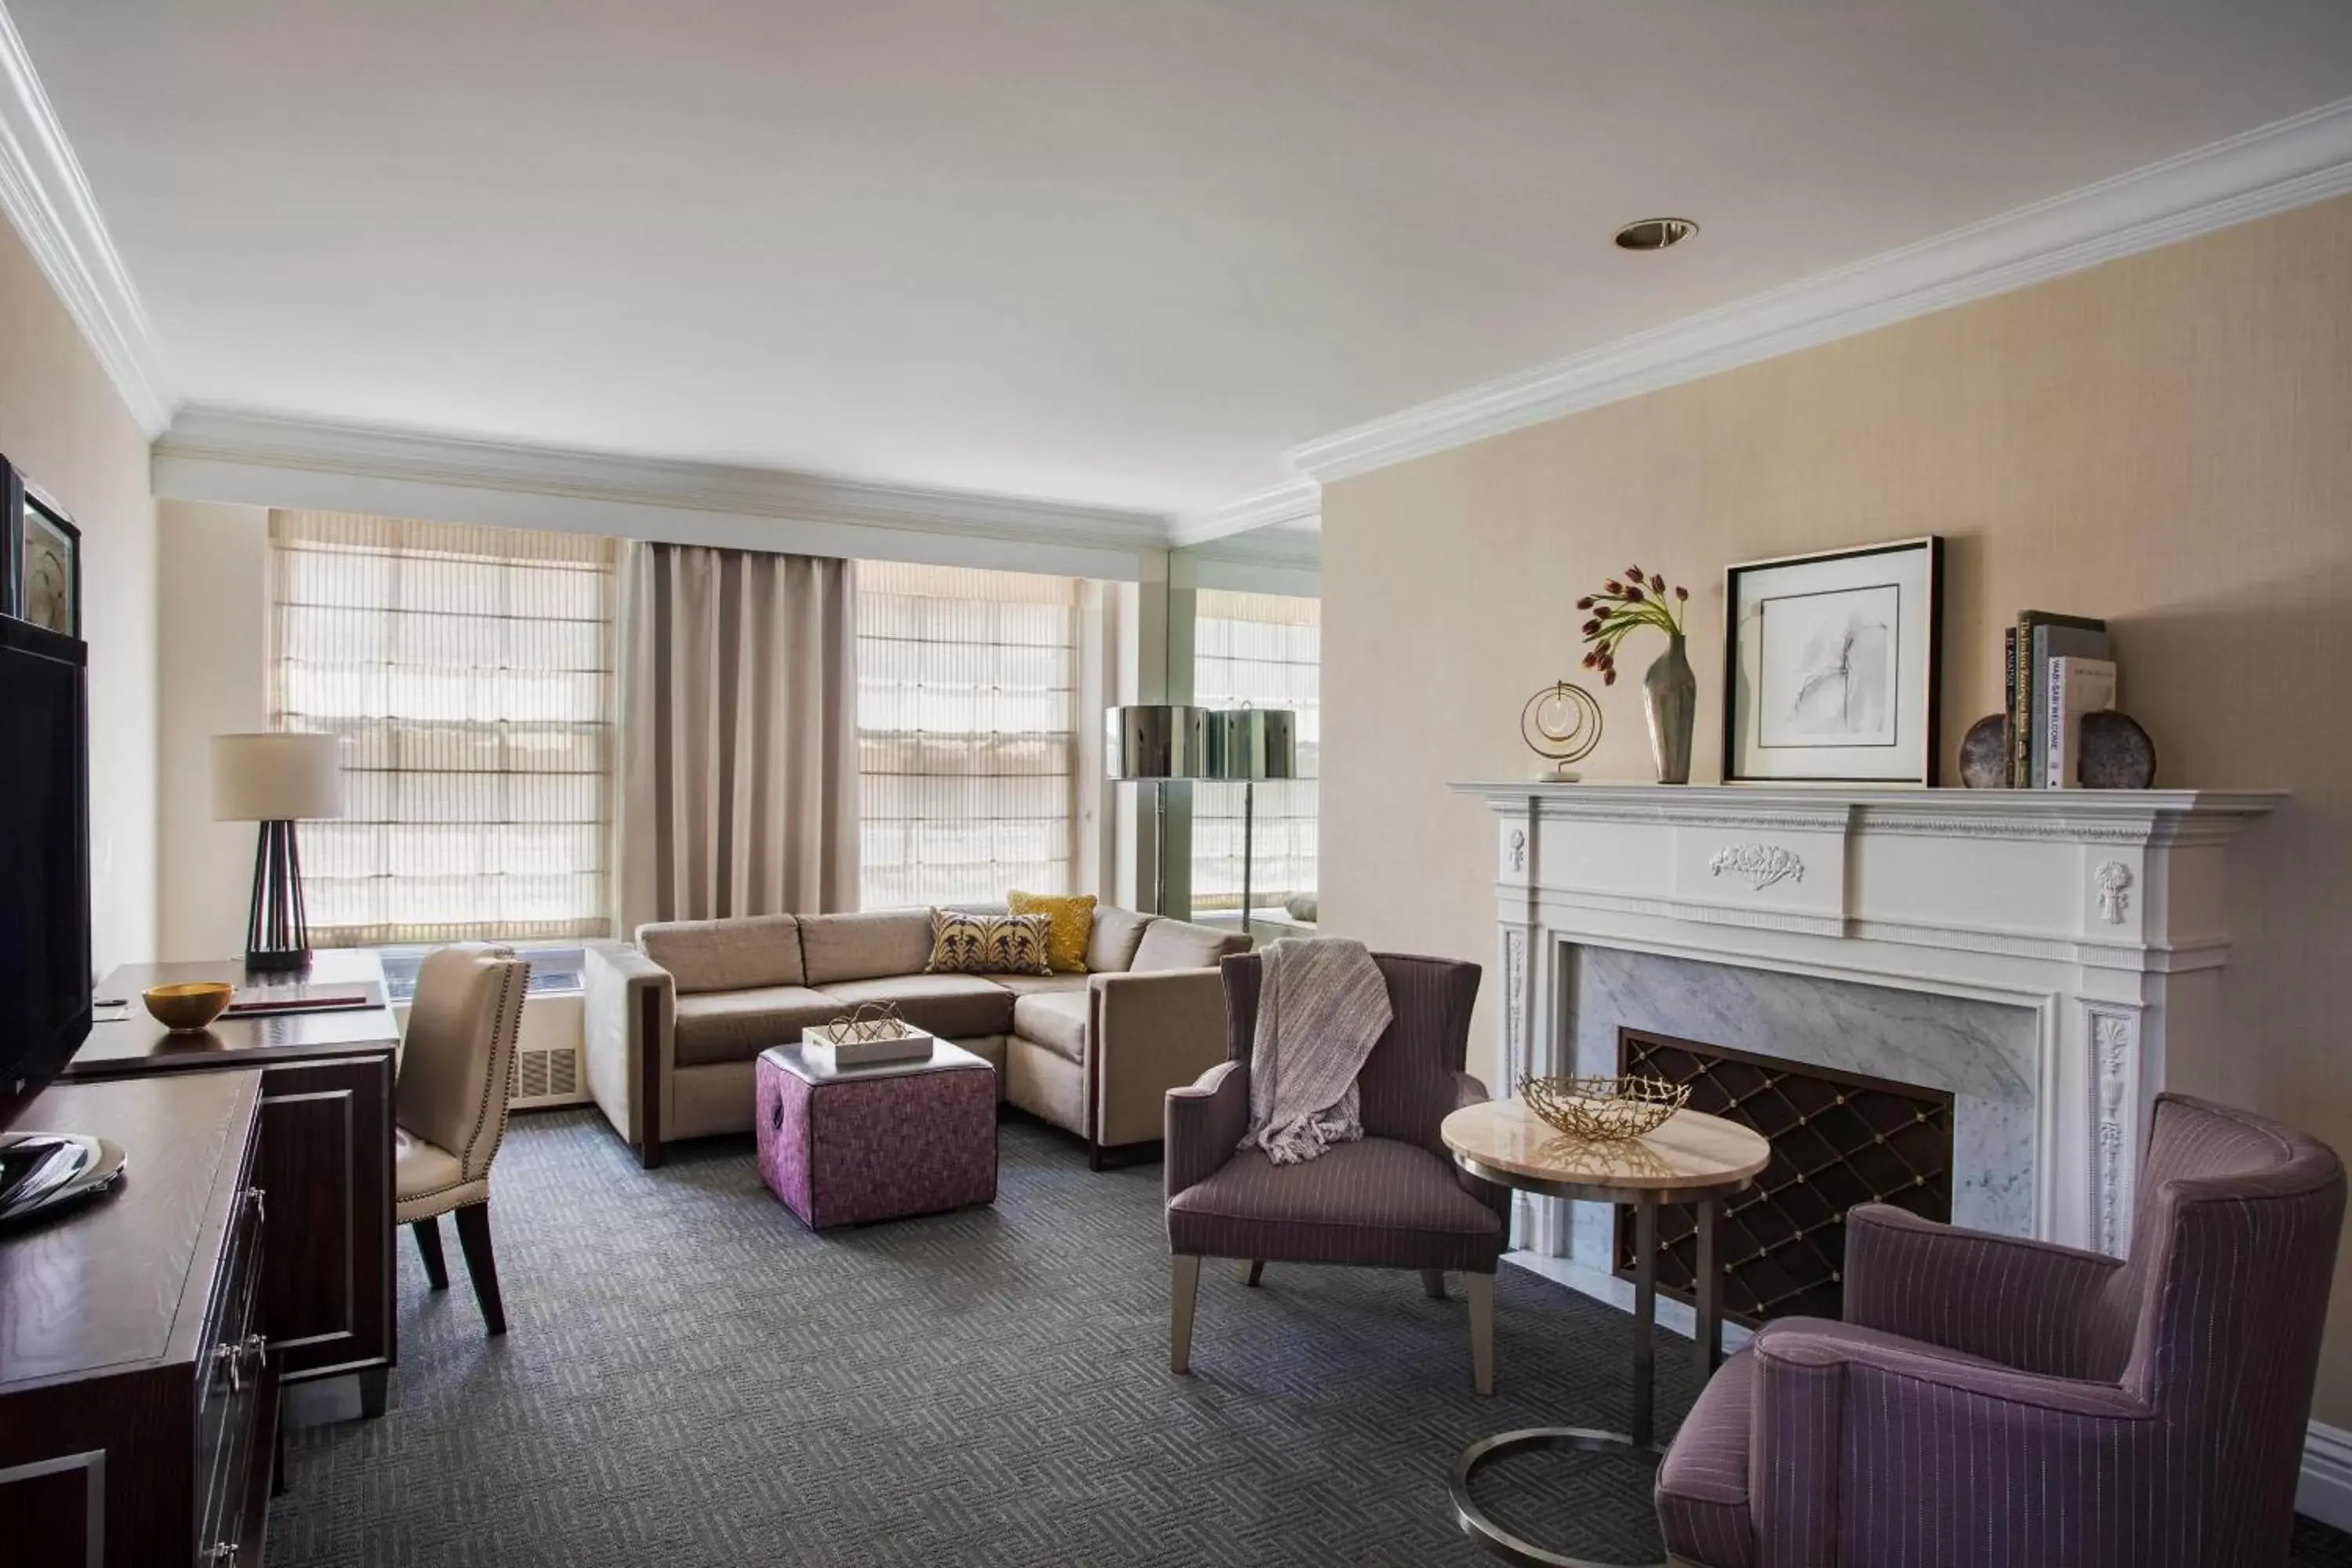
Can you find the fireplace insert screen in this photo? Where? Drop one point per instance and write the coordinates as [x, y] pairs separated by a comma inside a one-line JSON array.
[[1838, 1139]]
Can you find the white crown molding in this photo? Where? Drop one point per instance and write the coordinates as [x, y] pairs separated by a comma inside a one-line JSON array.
[[1298, 504], [48, 198], [202, 442], [2288, 165]]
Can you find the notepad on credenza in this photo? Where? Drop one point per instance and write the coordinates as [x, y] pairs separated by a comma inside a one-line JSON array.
[[2073, 686]]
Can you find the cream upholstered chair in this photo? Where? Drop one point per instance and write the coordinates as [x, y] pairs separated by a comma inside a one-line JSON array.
[[451, 1107]]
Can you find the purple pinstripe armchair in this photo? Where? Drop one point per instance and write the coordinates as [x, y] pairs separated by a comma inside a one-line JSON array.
[[1394, 1200], [1994, 1401]]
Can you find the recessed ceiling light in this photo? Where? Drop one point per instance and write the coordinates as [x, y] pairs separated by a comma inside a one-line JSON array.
[[1655, 233]]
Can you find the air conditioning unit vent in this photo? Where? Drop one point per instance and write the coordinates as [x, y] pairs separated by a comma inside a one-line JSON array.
[[547, 1076]]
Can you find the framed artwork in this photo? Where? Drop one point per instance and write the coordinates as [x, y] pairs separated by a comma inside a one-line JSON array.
[[1832, 666], [40, 556]]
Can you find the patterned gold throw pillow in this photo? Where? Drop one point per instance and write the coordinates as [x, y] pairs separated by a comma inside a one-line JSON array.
[[987, 944], [1069, 921]]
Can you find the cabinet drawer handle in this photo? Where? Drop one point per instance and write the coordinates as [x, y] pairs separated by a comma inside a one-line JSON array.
[[255, 1197], [222, 1552], [257, 1349], [230, 1359]]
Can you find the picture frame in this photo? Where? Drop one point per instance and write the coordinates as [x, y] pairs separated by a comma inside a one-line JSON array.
[[40, 556], [1834, 666]]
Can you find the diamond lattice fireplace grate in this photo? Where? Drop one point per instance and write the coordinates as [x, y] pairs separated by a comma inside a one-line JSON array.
[[1838, 1139]]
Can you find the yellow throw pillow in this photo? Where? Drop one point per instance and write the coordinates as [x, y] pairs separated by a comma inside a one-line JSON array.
[[1069, 923], [987, 944]]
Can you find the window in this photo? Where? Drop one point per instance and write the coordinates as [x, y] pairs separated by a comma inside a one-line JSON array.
[[967, 733], [468, 673], [1264, 650]]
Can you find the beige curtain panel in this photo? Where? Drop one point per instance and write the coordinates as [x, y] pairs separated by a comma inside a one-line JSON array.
[[740, 784]]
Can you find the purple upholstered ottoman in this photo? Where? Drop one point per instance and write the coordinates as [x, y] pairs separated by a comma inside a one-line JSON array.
[[853, 1145]]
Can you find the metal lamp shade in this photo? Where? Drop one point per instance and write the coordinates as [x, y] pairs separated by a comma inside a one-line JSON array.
[[1157, 740], [1254, 744]]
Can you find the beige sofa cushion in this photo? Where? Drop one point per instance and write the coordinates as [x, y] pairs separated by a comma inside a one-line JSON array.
[[1035, 985], [865, 946], [954, 1006], [1110, 945], [1179, 944], [726, 955], [737, 1025], [1055, 1020]]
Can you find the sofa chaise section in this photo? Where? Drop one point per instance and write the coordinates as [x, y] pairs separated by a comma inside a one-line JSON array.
[[675, 1024]]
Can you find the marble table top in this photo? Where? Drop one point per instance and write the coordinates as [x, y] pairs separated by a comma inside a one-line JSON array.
[[1692, 1151]]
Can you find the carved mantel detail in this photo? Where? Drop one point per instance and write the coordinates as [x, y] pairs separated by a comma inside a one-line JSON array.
[[1757, 864], [1518, 848], [2112, 882], [2111, 1153]]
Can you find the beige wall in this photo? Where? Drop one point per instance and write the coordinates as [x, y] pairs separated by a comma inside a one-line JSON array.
[[62, 423], [2166, 441], [213, 602]]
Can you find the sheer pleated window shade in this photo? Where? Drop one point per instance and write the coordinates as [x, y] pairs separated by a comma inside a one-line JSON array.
[[469, 675], [967, 733], [1265, 650]]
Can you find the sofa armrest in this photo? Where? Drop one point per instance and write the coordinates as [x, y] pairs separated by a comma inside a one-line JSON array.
[[1204, 1124], [1147, 1034], [629, 1017], [2022, 1303]]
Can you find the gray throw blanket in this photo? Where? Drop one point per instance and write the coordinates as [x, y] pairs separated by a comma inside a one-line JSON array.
[[1322, 1005]]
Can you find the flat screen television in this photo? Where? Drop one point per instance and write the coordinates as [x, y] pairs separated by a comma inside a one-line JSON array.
[[45, 951]]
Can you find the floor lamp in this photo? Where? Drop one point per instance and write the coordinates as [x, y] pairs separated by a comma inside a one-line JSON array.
[[1158, 743], [274, 780], [1253, 744]]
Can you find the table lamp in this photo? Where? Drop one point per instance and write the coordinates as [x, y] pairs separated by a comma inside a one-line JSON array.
[[1158, 743], [276, 780], [1253, 744]]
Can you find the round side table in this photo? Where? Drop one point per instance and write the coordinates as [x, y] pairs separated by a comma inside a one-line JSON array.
[[1693, 1159]]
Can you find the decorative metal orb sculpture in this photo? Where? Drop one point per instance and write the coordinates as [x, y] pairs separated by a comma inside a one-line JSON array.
[[1561, 724], [1604, 1110]]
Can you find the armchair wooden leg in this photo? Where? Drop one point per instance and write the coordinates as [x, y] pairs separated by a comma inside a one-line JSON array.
[[428, 1246], [1482, 1331], [474, 1240], [1183, 1288], [1255, 1272], [1433, 1281]]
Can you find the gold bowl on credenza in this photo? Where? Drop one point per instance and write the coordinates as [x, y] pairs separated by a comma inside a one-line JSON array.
[[187, 1008]]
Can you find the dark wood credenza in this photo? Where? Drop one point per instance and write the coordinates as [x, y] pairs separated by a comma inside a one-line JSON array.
[[325, 1158], [138, 1403]]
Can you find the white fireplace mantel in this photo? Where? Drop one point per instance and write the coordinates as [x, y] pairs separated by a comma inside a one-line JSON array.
[[2100, 912]]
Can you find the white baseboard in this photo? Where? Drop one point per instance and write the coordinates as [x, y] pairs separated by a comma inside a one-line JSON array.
[[2323, 1492]]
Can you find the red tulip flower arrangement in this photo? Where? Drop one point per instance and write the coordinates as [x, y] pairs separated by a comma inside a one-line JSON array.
[[1641, 600]]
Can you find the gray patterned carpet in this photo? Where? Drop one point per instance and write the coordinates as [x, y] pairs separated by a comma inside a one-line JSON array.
[[692, 1379]]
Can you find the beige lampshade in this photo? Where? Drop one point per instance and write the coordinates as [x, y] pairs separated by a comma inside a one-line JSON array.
[[276, 778]]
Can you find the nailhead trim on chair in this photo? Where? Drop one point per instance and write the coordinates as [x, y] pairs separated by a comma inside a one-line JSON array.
[[507, 1027]]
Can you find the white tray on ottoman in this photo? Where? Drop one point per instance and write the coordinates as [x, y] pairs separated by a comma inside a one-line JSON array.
[[836, 1055]]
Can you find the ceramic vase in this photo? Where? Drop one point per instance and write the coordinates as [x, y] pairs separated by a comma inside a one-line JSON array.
[[1670, 697]]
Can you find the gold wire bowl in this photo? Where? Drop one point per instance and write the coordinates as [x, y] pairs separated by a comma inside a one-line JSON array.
[[1604, 1110]]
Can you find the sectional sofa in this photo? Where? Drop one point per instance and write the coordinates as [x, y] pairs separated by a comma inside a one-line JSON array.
[[676, 1021]]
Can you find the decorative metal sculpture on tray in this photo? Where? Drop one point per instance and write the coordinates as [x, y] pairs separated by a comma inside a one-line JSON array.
[[1604, 1110], [867, 1022], [1561, 724]]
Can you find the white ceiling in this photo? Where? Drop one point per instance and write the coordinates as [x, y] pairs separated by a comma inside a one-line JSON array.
[[1118, 252]]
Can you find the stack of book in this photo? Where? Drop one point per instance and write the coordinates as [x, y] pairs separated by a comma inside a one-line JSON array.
[[2058, 668]]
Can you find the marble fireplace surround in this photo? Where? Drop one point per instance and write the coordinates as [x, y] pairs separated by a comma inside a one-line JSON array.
[[2031, 951]]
